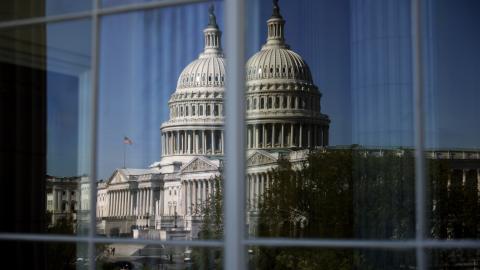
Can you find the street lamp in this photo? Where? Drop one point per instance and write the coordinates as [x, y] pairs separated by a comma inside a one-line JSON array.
[[175, 214], [146, 220]]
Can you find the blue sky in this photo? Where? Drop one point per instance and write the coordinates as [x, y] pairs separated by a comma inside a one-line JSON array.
[[142, 54]]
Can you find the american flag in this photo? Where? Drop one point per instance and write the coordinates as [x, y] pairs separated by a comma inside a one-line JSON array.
[[127, 140]]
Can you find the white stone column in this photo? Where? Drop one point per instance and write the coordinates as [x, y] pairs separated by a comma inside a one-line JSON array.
[[189, 141], [257, 180], [113, 203], [264, 136], [189, 197], [177, 134], [107, 204], [247, 193], [137, 202], [273, 135], [119, 203], [282, 142], [140, 211], [124, 203], [255, 136], [55, 199], [204, 142], [130, 212], [195, 197], [145, 201], [184, 191], [151, 201], [291, 134], [221, 142], [213, 141], [162, 143]]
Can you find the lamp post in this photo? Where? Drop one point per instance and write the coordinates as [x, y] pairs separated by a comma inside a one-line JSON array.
[[175, 214], [147, 216]]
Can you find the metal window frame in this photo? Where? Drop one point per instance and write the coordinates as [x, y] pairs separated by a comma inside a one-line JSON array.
[[236, 242]]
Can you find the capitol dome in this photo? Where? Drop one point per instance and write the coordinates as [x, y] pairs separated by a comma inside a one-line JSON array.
[[277, 62], [205, 71], [195, 125], [283, 103]]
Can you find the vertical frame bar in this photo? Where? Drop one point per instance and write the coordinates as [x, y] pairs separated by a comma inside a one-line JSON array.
[[419, 132], [93, 134], [234, 199]]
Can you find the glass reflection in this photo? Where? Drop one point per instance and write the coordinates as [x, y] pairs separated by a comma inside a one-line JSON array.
[[45, 111], [161, 124], [453, 130], [25, 9], [317, 258], [137, 256], [329, 142]]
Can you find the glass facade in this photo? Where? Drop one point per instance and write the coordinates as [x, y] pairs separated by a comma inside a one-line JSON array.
[[240, 134]]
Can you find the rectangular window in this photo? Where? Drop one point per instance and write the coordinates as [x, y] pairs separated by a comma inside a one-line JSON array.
[[128, 135]]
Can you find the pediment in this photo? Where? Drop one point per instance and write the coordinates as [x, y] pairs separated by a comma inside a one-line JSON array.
[[199, 164], [117, 178], [260, 158]]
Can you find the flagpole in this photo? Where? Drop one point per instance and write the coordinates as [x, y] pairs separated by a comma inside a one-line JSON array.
[[124, 154]]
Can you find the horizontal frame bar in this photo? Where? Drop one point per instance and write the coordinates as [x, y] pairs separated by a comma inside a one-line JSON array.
[[371, 244], [105, 240], [265, 242], [100, 12]]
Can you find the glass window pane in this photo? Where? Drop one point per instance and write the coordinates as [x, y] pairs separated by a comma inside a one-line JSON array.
[[138, 256], [161, 123], [335, 158], [454, 258], [25, 9], [322, 258], [452, 127], [44, 255], [45, 106]]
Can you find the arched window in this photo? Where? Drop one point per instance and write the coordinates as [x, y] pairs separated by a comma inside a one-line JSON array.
[[262, 104], [277, 102], [208, 110], [193, 110], [255, 104], [201, 110], [186, 111], [215, 110], [269, 103], [181, 111]]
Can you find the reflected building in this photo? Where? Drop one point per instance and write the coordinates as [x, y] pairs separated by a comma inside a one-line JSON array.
[[284, 120], [62, 198]]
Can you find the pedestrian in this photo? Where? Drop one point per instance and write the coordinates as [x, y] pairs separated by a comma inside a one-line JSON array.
[[113, 251]]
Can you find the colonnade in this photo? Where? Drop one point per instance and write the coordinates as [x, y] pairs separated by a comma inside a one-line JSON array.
[[192, 142], [257, 184], [195, 193], [127, 203], [279, 135]]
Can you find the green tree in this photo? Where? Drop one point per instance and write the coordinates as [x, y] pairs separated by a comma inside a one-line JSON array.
[[312, 201], [211, 228]]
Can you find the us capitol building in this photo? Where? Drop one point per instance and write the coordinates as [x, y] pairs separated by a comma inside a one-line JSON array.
[[283, 120]]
